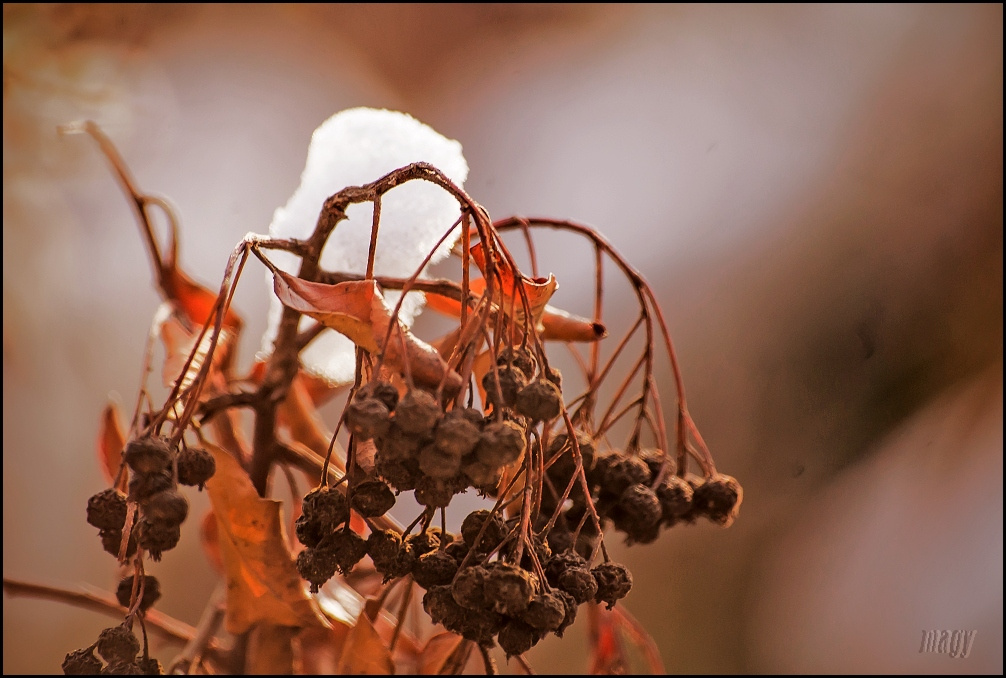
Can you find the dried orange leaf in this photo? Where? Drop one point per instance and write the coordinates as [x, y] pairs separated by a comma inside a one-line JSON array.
[[357, 309], [270, 650], [263, 584], [111, 440], [209, 533], [193, 300], [178, 344], [538, 290], [365, 652], [439, 650], [317, 651]]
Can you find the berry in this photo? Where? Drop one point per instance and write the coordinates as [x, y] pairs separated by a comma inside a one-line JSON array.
[[545, 612], [559, 563], [122, 668], [503, 392], [157, 537], [436, 463], [435, 568], [509, 588], [424, 542], [616, 471], [654, 459], [401, 474], [456, 433], [492, 535], [309, 532], [555, 376], [81, 663], [195, 466], [391, 556], [482, 475], [638, 513], [502, 443], [397, 445], [675, 495], [111, 540], [613, 582], [458, 550], [520, 357], [373, 498], [516, 637], [327, 506], [167, 506], [117, 643], [570, 605], [368, 417], [468, 588], [540, 400], [151, 592], [719, 498], [441, 606], [150, 666], [148, 455], [346, 547], [381, 390], [579, 583], [434, 492], [145, 485], [417, 413], [107, 510], [316, 566]]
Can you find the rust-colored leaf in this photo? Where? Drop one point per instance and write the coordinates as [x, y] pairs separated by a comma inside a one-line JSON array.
[[357, 309], [364, 652], [316, 651], [111, 440], [607, 656], [538, 290], [209, 532], [270, 650], [263, 584], [193, 300], [178, 344], [439, 652]]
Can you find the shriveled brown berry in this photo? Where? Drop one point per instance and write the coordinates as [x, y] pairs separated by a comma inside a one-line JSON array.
[[435, 568], [81, 663], [516, 637], [434, 492], [391, 557], [327, 506], [613, 582], [150, 666], [148, 455], [373, 498], [382, 390], [157, 537], [579, 583], [316, 566], [417, 412], [111, 540], [638, 513], [151, 591], [675, 495], [437, 463], [561, 445], [168, 506], [570, 605], [309, 531], [555, 376], [502, 443], [509, 588], [468, 588], [195, 466], [424, 542], [456, 434], [503, 392], [492, 534], [616, 471], [400, 474], [397, 445], [560, 562], [439, 603], [107, 510], [479, 627], [719, 499], [368, 417], [346, 547], [145, 485], [481, 475], [654, 459], [540, 400], [520, 357], [545, 612], [122, 668], [458, 550], [117, 643]]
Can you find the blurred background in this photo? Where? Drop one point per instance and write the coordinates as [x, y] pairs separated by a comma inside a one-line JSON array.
[[814, 192]]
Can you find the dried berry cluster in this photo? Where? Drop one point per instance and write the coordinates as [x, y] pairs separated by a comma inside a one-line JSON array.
[[156, 470], [119, 649]]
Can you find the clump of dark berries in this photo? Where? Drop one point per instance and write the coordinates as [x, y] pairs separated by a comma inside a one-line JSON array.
[[616, 471], [492, 533], [117, 644], [316, 566], [638, 514], [675, 495], [613, 582], [517, 637], [391, 556], [468, 588], [541, 400], [719, 498], [151, 591], [501, 443], [569, 572], [346, 547], [81, 663], [435, 492], [327, 507], [381, 390], [148, 455], [457, 433], [157, 536], [545, 612], [520, 357], [373, 498], [142, 486], [438, 463], [167, 506], [367, 417], [509, 588], [107, 510], [502, 392], [195, 466], [417, 412], [435, 568]]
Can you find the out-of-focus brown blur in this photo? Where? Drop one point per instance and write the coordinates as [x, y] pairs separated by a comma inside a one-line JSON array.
[[815, 192]]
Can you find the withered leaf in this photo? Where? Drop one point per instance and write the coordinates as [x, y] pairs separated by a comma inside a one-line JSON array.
[[357, 309], [364, 652], [178, 343], [440, 653], [270, 650], [538, 290], [111, 440], [209, 532], [193, 300], [263, 584]]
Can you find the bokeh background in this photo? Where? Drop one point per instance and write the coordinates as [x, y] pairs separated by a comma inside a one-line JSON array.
[[815, 192]]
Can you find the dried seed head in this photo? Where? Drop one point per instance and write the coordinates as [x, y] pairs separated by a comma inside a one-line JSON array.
[[579, 583], [638, 513], [81, 663], [516, 637], [479, 627], [503, 393], [502, 443], [468, 588], [373, 498], [309, 532], [456, 433], [417, 412], [613, 582], [316, 566], [368, 417], [111, 540], [384, 545], [654, 459], [424, 542], [401, 474], [545, 612], [157, 537], [570, 605], [616, 471], [494, 532], [509, 588], [520, 357], [440, 605], [145, 485], [434, 492], [118, 644], [381, 390], [564, 465], [559, 563], [719, 498], [150, 666], [346, 547], [107, 510], [675, 495], [195, 466], [326, 506], [435, 568], [168, 506], [148, 455], [540, 400], [151, 591], [436, 463], [481, 475]]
